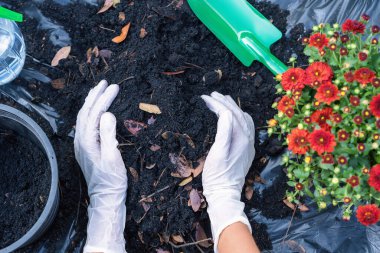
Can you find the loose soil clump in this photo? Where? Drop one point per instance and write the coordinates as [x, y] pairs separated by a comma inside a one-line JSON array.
[[171, 65], [24, 186]]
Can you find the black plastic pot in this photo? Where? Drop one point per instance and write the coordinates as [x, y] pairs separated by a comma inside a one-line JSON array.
[[23, 125]]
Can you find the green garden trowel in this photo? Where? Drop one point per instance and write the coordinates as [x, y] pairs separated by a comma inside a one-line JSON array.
[[242, 29], [8, 14]]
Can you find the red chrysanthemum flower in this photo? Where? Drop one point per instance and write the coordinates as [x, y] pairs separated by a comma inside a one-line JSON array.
[[285, 103], [328, 159], [337, 118], [322, 141], [374, 41], [332, 47], [293, 79], [368, 214], [365, 17], [305, 40], [318, 40], [358, 120], [376, 82], [343, 135], [362, 56], [336, 35], [342, 160], [353, 26], [364, 75], [349, 77], [361, 147], [366, 113], [289, 112], [353, 181], [307, 120], [344, 38], [343, 51], [365, 171], [318, 71], [346, 200], [374, 106], [374, 177], [321, 116], [354, 100], [356, 133], [297, 141], [375, 29], [327, 93]]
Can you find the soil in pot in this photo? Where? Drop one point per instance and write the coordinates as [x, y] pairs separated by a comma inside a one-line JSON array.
[[170, 65], [24, 186]]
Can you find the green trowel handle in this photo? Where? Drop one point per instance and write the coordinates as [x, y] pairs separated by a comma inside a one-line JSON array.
[[263, 55], [8, 14]]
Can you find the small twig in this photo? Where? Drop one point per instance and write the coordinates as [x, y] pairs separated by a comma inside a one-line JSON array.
[[126, 79], [105, 28], [126, 144], [188, 244], [194, 65], [159, 178], [196, 245], [139, 221], [154, 193], [290, 224]]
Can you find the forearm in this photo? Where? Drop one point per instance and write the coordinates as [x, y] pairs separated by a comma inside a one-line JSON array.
[[237, 238]]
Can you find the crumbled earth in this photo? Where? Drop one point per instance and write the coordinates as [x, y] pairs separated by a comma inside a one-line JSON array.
[[24, 185], [178, 60]]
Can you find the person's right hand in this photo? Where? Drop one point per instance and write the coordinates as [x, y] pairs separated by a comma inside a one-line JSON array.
[[227, 164]]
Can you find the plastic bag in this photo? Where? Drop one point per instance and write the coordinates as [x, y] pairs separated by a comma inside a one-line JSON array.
[[312, 12], [314, 231]]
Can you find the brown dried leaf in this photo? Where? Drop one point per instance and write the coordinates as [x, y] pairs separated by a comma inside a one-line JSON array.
[[184, 167], [149, 108], [198, 170], [134, 173], [62, 53], [107, 4], [89, 55], [123, 34], [143, 33], [173, 73], [134, 126], [186, 181], [179, 4], [159, 250], [155, 147], [195, 200], [150, 166], [58, 84], [248, 192], [140, 234], [145, 206], [289, 204], [175, 174], [165, 135], [95, 51], [303, 208], [189, 140], [121, 16], [295, 247], [259, 179], [177, 239], [105, 53], [200, 235]]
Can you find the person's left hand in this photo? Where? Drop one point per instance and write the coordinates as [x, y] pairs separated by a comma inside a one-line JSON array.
[[96, 151]]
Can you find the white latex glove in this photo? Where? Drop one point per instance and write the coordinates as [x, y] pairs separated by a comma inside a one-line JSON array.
[[227, 164], [96, 151]]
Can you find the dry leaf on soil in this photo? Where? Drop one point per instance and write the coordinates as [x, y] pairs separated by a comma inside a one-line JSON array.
[[95, 51], [150, 108], [289, 204], [143, 33], [186, 181], [151, 120], [179, 4], [177, 238], [108, 4], [162, 251], [303, 208], [62, 53], [174, 73], [134, 173], [248, 192], [134, 126], [121, 16], [198, 170], [184, 167], [123, 34], [195, 200], [155, 147], [201, 235], [58, 84], [105, 53], [89, 55]]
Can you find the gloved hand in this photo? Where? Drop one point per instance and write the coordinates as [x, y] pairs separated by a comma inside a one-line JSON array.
[[96, 151], [227, 164]]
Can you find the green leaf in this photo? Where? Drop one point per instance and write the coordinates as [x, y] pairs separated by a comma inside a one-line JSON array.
[[298, 173]]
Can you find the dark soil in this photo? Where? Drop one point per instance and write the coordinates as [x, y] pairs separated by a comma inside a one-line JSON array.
[[24, 186], [176, 40]]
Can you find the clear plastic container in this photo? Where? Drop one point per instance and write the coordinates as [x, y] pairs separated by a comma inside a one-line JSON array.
[[12, 51]]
